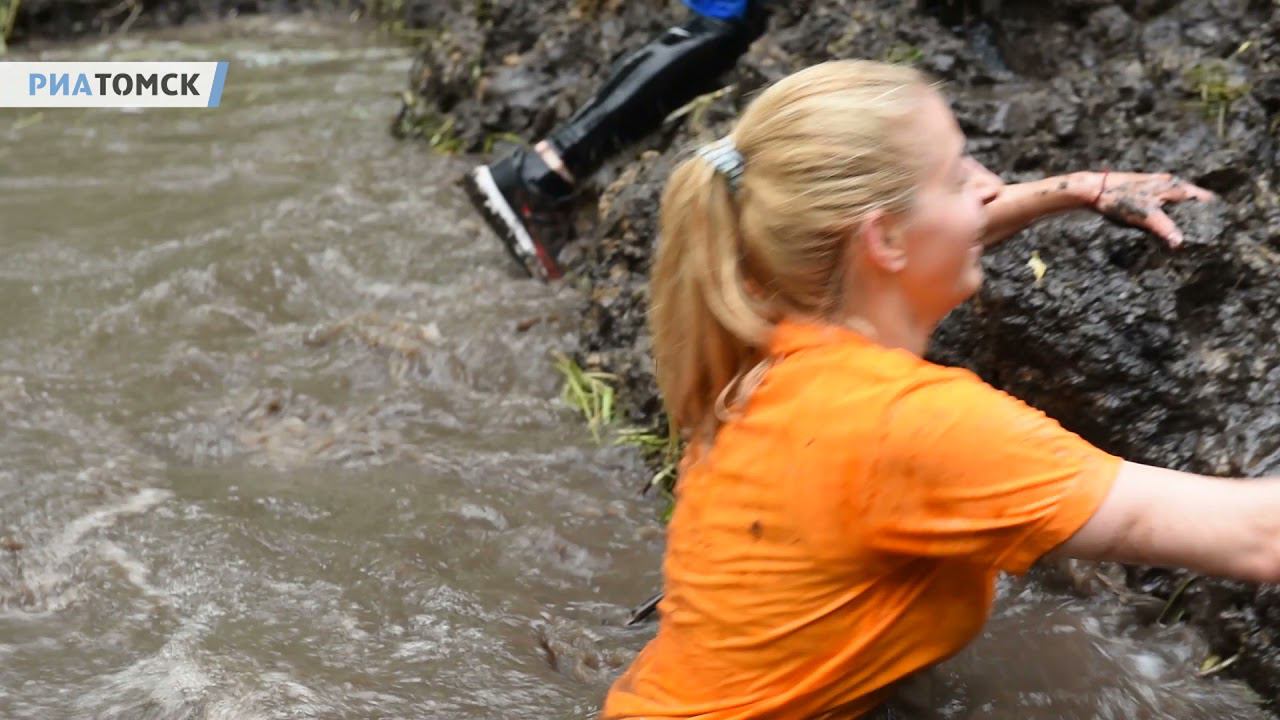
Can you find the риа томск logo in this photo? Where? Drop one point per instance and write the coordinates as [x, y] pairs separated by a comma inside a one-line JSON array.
[[112, 84]]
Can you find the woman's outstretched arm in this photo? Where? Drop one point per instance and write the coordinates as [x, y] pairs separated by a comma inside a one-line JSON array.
[[1132, 198], [1217, 526]]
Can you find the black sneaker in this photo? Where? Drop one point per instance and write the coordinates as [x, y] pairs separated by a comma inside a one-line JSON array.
[[527, 205]]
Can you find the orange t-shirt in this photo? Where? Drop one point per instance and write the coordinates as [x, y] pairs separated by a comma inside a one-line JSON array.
[[846, 529]]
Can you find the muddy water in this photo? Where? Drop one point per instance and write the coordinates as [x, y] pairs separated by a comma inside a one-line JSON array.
[[281, 436], [272, 440]]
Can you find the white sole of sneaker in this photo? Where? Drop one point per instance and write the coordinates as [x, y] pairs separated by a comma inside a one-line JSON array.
[[498, 204]]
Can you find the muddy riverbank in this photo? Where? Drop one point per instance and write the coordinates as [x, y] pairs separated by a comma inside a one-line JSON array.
[[1163, 357]]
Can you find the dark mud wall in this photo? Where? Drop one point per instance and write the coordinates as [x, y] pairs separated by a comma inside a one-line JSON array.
[[1169, 358]]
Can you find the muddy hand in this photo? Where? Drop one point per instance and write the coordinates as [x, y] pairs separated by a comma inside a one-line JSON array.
[[1137, 199]]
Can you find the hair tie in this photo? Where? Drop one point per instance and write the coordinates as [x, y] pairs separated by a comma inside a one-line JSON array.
[[725, 158]]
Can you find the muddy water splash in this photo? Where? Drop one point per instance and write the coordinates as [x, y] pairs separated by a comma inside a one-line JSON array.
[[281, 438]]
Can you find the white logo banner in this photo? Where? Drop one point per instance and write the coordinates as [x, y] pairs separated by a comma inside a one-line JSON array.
[[111, 84]]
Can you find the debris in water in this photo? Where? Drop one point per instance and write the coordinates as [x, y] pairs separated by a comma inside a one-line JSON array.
[[645, 609]]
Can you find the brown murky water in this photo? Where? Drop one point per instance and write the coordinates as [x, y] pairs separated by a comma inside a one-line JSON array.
[[274, 446]]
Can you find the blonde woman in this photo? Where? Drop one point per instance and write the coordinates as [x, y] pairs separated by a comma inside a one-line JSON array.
[[845, 505]]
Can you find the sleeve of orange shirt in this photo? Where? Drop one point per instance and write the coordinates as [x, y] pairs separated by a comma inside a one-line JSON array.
[[965, 470]]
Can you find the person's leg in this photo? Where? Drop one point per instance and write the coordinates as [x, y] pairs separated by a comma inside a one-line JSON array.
[[646, 86], [524, 196]]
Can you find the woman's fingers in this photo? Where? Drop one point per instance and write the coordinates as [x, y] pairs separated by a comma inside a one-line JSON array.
[[1180, 190], [1163, 227], [1136, 198]]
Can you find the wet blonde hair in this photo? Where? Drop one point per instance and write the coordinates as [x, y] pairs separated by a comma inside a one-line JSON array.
[[820, 148]]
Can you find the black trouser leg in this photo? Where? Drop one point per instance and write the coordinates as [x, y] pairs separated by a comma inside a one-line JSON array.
[[647, 85]]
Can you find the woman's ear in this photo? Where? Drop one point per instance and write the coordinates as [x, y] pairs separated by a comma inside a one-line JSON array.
[[882, 241]]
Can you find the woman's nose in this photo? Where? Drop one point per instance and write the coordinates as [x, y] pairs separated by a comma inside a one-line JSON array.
[[987, 183]]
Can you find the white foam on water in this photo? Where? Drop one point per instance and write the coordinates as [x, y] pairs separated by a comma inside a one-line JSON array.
[[107, 516], [135, 572], [168, 682], [49, 582]]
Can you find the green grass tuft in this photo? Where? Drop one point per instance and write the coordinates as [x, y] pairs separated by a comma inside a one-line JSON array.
[[662, 450], [592, 394], [904, 54], [1216, 90], [589, 392], [8, 16], [416, 121]]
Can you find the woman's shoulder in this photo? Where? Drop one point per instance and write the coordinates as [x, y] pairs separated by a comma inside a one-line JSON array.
[[859, 364]]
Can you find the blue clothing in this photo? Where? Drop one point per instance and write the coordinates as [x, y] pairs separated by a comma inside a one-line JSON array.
[[719, 9]]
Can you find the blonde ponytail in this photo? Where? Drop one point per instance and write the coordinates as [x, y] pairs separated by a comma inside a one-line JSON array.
[[705, 322], [820, 149]]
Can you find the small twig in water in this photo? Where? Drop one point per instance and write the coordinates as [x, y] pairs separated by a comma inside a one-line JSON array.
[[645, 609]]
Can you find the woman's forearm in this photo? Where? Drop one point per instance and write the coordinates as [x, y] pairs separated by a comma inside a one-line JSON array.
[[1228, 527], [1018, 206]]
